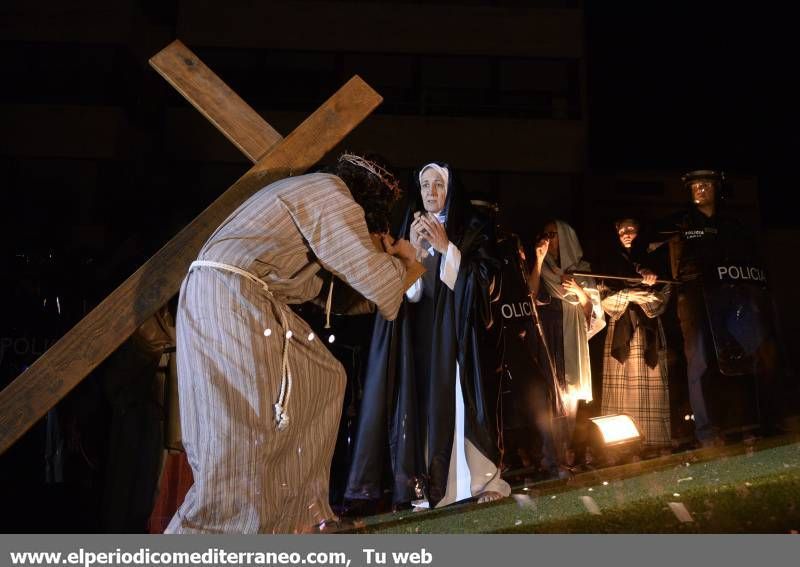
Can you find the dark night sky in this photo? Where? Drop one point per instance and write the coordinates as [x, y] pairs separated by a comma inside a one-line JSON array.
[[691, 86], [671, 86]]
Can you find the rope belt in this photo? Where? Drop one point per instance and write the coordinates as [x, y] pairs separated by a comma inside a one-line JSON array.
[[281, 414]]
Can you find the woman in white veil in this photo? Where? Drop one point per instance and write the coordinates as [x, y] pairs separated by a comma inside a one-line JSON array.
[[571, 312]]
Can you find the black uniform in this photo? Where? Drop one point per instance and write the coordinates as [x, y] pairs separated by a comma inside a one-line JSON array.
[[706, 253]]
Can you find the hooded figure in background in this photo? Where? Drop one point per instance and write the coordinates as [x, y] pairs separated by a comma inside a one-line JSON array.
[[425, 379], [635, 376], [571, 314]]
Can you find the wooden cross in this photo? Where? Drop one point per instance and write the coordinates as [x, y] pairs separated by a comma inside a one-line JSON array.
[[107, 326]]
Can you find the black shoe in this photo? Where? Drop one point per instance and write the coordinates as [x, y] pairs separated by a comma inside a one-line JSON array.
[[401, 506], [359, 508]]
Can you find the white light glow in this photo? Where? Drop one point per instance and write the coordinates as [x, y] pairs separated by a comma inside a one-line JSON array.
[[617, 428], [267, 332], [331, 339]]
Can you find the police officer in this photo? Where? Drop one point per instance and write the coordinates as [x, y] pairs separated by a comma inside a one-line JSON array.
[[694, 244], [701, 239]]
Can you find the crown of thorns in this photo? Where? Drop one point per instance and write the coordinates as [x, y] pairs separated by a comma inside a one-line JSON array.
[[386, 177]]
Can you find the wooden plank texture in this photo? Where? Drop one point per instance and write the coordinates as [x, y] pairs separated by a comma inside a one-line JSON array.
[[97, 335], [215, 100]]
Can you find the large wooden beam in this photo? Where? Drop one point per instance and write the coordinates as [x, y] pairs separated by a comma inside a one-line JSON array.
[[97, 335], [182, 69], [215, 100]]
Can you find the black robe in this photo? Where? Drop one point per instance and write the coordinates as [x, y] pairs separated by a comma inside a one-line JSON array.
[[407, 392], [625, 262]]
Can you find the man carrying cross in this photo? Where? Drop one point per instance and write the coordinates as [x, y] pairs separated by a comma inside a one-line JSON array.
[[260, 394]]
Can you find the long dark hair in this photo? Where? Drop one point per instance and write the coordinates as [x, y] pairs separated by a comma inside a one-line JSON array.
[[374, 195]]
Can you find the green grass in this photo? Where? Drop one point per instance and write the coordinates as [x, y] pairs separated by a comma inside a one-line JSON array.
[[742, 490]]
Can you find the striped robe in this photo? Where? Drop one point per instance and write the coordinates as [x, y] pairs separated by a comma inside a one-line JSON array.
[[248, 476], [634, 388]]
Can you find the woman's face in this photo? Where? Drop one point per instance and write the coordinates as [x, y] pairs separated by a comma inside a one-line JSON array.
[[551, 232], [433, 191], [627, 232]]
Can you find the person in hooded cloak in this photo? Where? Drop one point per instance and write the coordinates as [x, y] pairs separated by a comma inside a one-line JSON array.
[[571, 314], [635, 353], [426, 400]]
